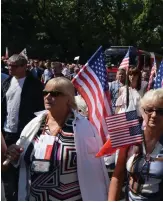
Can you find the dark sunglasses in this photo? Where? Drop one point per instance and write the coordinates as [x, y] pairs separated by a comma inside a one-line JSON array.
[[150, 111], [52, 93]]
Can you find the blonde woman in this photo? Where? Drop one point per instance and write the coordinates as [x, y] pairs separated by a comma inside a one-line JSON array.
[[59, 155], [144, 163]]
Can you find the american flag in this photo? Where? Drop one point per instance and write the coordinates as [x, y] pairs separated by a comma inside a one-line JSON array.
[[153, 71], [159, 77], [124, 129], [92, 83], [24, 53], [125, 62]]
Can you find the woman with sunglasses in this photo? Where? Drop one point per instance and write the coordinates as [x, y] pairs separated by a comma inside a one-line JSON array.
[[130, 95], [144, 163], [58, 156]]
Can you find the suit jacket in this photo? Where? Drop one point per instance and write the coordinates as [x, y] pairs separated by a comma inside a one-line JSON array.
[[40, 71], [31, 100]]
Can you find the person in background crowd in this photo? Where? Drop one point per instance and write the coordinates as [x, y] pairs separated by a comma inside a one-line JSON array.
[[21, 97], [144, 162], [42, 65], [114, 87], [36, 70], [4, 67], [81, 105], [29, 67], [70, 171], [31, 62], [145, 79], [145, 75], [135, 90], [76, 70], [3, 152], [4, 77], [57, 69], [65, 71], [48, 74]]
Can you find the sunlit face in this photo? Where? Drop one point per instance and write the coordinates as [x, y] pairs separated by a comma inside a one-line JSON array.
[[14, 69], [133, 78], [36, 63], [54, 98], [121, 76], [153, 114]]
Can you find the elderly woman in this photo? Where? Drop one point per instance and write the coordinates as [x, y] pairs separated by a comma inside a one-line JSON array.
[[144, 163], [58, 159], [136, 90]]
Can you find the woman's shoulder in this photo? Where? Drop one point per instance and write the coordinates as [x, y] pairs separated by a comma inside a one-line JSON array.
[[122, 90]]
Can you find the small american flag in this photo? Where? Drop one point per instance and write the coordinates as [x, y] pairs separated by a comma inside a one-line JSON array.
[[124, 129], [92, 83], [24, 53], [159, 77], [125, 62], [153, 71]]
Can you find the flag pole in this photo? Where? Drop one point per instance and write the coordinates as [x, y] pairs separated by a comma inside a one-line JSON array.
[[127, 79]]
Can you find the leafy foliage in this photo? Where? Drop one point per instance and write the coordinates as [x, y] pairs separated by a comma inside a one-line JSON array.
[[63, 29]]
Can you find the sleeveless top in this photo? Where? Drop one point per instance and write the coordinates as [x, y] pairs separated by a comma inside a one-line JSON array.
[[149, 176]]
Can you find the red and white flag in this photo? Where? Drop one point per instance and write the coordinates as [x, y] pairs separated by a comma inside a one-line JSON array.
[[124, 130], [91, 82], [6, 54], [152, 75], [24, 53], [125, 62]]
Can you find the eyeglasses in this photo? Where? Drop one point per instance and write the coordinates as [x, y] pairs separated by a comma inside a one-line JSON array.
[[150, 111], [52, 93]]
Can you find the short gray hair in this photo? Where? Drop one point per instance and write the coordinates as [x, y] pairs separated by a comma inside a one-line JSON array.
[[151, 95], [18, 60], [81, 105]]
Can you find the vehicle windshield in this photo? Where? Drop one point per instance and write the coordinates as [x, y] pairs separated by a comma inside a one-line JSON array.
[[114, 56]]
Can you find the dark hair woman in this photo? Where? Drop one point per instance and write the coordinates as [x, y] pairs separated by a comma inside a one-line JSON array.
[[134, 90]]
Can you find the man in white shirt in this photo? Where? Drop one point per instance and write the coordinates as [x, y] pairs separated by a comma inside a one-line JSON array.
[[48, 74], [21, 97]]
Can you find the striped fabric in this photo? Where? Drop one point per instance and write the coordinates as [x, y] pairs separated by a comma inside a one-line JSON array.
[[61, 182]]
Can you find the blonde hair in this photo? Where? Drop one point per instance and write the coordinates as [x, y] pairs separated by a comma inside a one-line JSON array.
[[81, 105], [65, 86], [151, 95]]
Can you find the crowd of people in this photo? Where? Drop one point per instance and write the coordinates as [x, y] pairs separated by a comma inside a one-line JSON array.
[[45, 70], [49, 145]]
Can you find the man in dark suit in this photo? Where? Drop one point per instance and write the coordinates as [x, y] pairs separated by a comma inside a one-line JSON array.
[[21, 97], [36, 70]]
